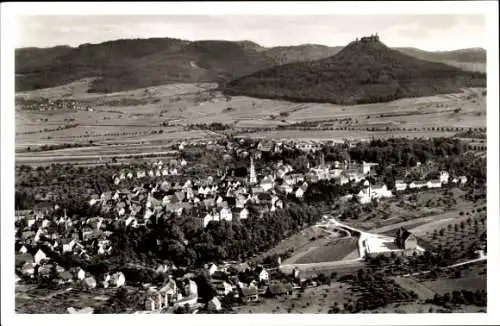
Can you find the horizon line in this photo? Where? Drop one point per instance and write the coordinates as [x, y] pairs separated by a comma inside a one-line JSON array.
[[236, 41]]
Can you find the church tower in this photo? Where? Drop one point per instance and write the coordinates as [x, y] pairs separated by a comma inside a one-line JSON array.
[[253, 175]]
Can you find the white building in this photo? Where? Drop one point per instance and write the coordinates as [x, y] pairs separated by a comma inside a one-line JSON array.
[[443, 177], [40, 256], [226, 214], [400, 185], [433, 184], [117, 279]]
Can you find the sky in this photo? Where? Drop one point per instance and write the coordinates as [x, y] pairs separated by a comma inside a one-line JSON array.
[[427, 32]]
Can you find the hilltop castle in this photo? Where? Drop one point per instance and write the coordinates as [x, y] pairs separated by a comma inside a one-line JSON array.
[[367, 39]]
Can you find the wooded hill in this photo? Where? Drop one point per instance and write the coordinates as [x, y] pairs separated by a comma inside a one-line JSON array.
[[136, 63], [365, 71]]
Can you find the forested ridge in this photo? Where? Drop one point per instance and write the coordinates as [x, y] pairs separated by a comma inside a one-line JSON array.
[[363, 72]]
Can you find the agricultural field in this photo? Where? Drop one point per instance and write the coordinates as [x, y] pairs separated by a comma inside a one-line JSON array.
[[334, 250], [470, 283], [471, 277], [30, 300], [313, 300], [135, 116], [300, 242], [339, 135], [411, 210], [419, 288], [418, 308], [451, 233]]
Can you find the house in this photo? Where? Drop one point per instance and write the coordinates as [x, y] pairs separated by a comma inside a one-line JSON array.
[[434, 184], [226, 214], [286, 188], [80, 274], [380, 191], [169, 291], [463, 179], [86, 310], [249, 294], [153, 301], [117, 279], [265, 146], [279, 289], [299, 193], [89, 283], [222, 288], [417, 184], [262, 274], [354, 176], [405, 240], [207, 219], [241, 200], [214, 304], [45, 270], [366, 167], [191, 289], [400, 185], [443, 177], [66, 277], [240, 213], [364, 196], [28, 269], [267, 183], [23, 250], [343, 180], [162, 269], [40, 256], [45, 223], [212, 268], [293, 179]]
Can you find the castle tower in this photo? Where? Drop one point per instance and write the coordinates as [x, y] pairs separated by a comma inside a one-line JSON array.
[[253, 175]]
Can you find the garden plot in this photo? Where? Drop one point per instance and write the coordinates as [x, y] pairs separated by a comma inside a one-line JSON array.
[[336, 249]]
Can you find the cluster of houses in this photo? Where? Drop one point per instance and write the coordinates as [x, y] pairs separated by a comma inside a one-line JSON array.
[[208, 199], [40, 266], [444, 177], [156, 170], [55, 105], [233, 281]]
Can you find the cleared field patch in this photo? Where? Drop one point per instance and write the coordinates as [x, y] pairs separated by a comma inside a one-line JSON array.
[[418, 308], [410, 284], [337, 249], [298, 243], [470, 283]]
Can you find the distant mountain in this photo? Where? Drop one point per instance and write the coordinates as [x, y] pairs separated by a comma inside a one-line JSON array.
[[365, 71], [477, 55], [136, 63], [130, 64]]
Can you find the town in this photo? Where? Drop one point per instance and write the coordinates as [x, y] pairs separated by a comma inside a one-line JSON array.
[[177, 221], [251, 164]]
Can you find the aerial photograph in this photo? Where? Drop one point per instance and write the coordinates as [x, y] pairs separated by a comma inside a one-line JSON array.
[[250, 164]]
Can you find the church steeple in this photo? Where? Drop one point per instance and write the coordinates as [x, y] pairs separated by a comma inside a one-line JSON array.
[[253, 175]]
